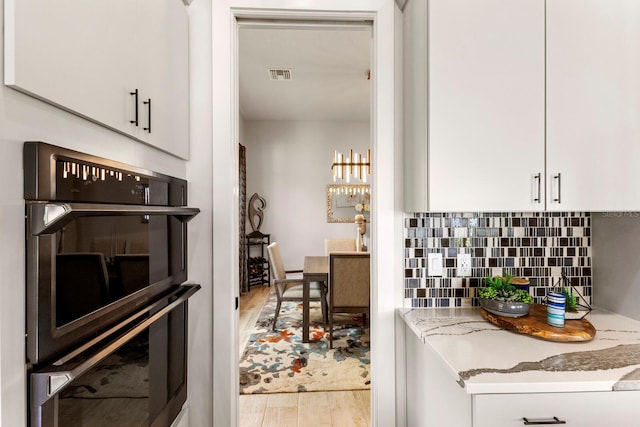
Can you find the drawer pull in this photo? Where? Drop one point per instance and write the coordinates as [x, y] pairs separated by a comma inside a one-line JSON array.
[[546, 421]]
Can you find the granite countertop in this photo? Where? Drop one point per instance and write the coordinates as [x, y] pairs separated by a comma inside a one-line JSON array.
[[486, 359]]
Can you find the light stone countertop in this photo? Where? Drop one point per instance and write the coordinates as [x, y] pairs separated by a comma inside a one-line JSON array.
[[486, 359]]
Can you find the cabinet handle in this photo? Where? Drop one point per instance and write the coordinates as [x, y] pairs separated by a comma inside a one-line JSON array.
[[537, 178], [558, 187], [135, 95], [148, 103], [546, 421]]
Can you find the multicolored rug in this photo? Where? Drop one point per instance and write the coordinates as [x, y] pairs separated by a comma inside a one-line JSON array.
[[279, 362]]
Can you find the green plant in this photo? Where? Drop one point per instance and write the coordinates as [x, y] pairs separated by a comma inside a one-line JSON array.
[[571, 302], [501, 289]]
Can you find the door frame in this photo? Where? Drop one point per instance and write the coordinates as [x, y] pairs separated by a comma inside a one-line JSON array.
[[387, 369]]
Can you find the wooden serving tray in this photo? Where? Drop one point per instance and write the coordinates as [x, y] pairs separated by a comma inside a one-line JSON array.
[[535, 324]]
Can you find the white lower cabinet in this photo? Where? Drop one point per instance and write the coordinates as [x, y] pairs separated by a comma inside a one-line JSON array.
[[435, 399], [590, 409]]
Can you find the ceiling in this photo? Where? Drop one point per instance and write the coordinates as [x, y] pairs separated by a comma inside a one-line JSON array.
[[329, 68]]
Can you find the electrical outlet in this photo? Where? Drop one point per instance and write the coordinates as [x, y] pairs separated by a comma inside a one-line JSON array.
[[464, 265], [435, 264]]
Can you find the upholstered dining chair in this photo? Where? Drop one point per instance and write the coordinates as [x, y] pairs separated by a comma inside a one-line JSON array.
[[339, 245], [289, 287], [349, 284]]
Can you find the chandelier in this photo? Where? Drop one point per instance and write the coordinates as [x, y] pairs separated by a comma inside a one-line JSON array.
[[353, 166]]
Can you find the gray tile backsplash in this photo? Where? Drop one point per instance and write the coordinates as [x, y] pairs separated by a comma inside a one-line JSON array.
[[536, 245]]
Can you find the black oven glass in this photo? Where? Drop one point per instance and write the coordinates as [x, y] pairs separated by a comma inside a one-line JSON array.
[[102, 259], [131, 386], [113, 393]]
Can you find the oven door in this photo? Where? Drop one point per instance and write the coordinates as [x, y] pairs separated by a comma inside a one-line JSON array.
[[90, 265], [134, 376]]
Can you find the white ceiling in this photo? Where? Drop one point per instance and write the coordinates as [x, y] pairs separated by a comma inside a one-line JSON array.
[[329, 73]]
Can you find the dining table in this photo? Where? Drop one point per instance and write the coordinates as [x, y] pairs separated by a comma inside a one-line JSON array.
[[316, 269]]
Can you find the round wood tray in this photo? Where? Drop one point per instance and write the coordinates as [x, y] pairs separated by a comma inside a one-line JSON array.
[[535, 324]]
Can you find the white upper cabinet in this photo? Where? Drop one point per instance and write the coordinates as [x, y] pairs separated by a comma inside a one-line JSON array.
[[415, 126], [165, 75], [46, 58], [90, 58], [593, 105], [485, 93], [486, 105]]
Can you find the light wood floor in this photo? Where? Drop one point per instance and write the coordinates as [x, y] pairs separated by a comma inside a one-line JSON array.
[[318, 409]]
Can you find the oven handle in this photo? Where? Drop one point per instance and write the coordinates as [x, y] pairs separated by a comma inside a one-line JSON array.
[[45, 385], [47, 218]]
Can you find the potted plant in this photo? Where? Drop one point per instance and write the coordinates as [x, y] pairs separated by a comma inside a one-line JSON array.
[[573, 309], [503, 298]]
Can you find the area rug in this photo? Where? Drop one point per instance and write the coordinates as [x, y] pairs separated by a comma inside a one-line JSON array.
[[279, 362]]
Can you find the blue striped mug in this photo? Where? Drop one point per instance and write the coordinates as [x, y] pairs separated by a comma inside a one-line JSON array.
[[555, 308]]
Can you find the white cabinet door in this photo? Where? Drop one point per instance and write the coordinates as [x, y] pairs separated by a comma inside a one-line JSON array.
[[593, 409], [164, 71], [90, 57], [433, 397], [593, 104], [88, 74], [414, 95], [486, 105]]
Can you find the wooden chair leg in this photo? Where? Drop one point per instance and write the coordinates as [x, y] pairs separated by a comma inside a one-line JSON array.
[[325, 306], [331, 330]]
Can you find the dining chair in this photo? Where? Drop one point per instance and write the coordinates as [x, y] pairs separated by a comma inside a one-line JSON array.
[[339, 245], [289, 286], [349, 284]]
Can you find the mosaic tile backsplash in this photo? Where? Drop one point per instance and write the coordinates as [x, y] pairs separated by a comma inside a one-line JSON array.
[[535, 245]]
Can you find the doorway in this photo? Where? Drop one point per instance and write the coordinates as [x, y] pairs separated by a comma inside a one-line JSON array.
[[304, 91], [219, 123]]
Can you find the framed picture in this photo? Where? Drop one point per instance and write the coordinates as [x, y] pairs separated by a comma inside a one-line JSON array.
[[345, 201]]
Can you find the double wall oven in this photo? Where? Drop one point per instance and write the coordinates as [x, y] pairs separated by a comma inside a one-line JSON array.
[[106, 299]]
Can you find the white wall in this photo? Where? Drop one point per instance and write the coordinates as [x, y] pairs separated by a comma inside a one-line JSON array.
[[616, 270], [289, 164], [23, 118], [200, 177]]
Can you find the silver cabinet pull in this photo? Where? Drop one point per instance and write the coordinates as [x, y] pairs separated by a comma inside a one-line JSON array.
[[539, 422], [537, 179], [558, 187]]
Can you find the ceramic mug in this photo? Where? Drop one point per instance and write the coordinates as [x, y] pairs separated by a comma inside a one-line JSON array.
[[555, 308]]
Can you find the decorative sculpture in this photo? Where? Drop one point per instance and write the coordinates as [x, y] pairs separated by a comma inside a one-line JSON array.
[[361, 229], [256, 211]]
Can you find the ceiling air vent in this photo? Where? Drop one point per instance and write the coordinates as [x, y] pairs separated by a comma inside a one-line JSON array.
[[280, 73]]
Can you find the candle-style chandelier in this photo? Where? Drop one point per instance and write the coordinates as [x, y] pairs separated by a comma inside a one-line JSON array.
[[353, 166]]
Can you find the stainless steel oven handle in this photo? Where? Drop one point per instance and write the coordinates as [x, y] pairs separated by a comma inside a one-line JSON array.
[[46, 384], [119, 326], [47, 218]]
